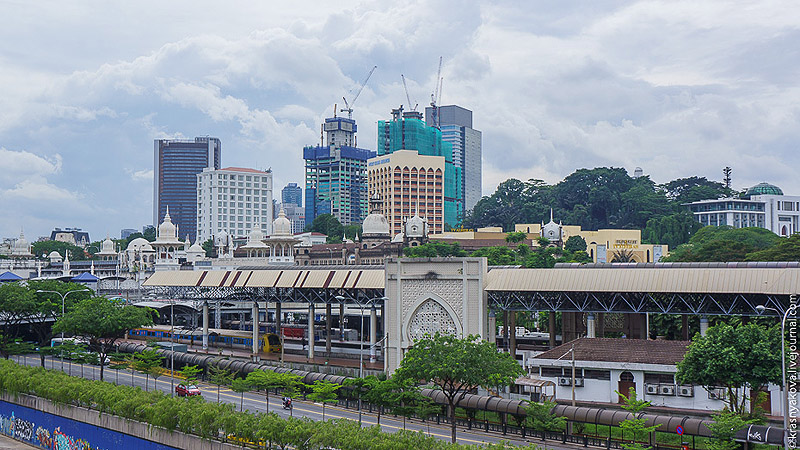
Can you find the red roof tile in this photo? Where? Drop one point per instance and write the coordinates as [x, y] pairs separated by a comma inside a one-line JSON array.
[[621, 350]]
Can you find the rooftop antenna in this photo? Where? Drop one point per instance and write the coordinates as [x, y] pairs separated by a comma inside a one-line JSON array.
[[348, 107]]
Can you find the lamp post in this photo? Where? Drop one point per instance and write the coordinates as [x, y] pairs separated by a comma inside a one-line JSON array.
[[791, 309], [572, 352], [63, 300], [361, 344], [172, 349]]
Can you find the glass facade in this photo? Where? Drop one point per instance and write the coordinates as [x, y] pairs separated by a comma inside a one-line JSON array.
[[292, 194], [336, 175], [177, 163], [407, 131]]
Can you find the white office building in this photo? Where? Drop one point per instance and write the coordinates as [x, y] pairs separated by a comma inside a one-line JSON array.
[[231, 199], [763, 206]]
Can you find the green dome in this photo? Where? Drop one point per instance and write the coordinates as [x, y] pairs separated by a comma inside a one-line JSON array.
[[763, 189]]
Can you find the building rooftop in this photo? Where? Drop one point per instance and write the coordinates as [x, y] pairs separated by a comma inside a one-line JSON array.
[[242, 169], [621, 350], [763, 189]]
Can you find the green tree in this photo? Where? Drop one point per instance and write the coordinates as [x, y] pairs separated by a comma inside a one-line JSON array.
[[787, 249], [327, 225], [148, 362], [540, 417], [149, 233], [435, 249], [637, 425], [208, 247], [622, 255], [497, 256], [102, 321], [723, 427], [46, 247], [672, 230], [241, 386], [513, 202], [640, 203], [380, 393], [324, 391], [48, 306], [17, 304], [575, 244], [692, 189], [454, 365], [190, 373], [745, 357], [220, 377], [516, 236], [265, 379]]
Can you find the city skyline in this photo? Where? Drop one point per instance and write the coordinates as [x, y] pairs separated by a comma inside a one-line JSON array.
[[679, 89]]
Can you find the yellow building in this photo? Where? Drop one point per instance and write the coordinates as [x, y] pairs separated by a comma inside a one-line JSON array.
[[601, 245], [408, 184]]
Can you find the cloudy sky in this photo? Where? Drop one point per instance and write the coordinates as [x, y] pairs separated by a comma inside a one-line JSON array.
[[677, 88]]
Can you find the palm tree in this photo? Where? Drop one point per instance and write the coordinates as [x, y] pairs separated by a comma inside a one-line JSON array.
[[622, 255]]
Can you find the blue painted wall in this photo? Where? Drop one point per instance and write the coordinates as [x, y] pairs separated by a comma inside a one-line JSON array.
[[60, 433]]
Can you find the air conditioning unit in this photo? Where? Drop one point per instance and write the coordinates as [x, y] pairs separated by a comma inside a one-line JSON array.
[[686, 391], [578, 382], [564, 381], [666, 389], [716, 393], [651, 389]]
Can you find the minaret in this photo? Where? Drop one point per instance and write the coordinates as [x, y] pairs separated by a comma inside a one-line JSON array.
[[65, 267]]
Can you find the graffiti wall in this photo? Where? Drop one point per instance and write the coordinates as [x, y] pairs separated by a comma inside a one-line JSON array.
[[60, 433]]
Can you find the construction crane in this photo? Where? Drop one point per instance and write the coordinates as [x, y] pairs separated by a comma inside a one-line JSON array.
[[408, 97], [436, 95], [348, 107]]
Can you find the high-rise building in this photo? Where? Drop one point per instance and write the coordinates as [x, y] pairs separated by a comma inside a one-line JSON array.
[[407, 131], [406, 183], [292, 194], [233, 200], [456, 125], [176, 165], [336, 174]]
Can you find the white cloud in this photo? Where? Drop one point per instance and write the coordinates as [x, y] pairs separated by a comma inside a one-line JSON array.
[[679, 88]]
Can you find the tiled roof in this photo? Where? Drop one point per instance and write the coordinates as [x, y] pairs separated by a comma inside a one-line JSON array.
[[621, 350]]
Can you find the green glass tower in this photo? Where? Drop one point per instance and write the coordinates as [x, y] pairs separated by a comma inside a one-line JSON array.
[[407, 131]]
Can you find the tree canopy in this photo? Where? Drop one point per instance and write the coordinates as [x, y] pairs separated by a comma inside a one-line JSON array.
[[102, 321], [455, 365], [725, 244], [328, 225], [46, 247], [747, 356]]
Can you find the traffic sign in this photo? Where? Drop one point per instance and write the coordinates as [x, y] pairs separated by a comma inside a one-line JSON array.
[[679, 430]]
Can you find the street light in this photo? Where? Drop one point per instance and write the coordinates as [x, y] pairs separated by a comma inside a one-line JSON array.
[[63, 297], [791, 309], [361, 344], [572, 352]]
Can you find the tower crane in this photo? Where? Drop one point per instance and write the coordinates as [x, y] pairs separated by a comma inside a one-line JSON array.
[[348, 107], [436, 95], [408, 97]]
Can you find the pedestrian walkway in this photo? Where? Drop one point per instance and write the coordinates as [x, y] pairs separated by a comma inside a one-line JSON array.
[[7, 443], [318, 359]]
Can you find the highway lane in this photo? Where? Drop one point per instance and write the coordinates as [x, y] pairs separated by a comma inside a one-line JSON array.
[[254, 401]]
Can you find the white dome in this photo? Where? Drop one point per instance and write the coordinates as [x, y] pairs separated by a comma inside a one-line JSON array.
[[375, 225], [167, 231], [398, 237], [54, 255], [281, 226], [416, 227], [196, 248], [141, 244]]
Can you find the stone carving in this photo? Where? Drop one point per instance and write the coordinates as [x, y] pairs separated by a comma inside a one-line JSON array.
[[430, 318]]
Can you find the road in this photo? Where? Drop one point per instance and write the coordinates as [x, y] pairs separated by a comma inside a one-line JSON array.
[[256, 402]]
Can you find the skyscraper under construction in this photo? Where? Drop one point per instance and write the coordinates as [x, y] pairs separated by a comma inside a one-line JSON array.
[[336, 174]]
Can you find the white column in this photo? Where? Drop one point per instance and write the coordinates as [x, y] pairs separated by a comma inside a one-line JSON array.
[[591, 326], [310, 331], [373, 332], [255, 329], [205, 325], [492, 332], [703, 325]]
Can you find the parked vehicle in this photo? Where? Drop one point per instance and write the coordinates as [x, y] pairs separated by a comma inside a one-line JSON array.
[[187, 390]]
